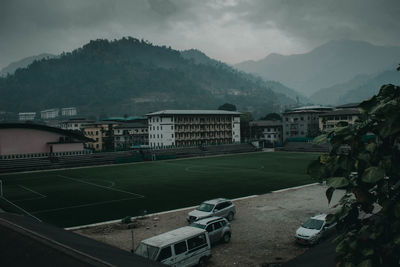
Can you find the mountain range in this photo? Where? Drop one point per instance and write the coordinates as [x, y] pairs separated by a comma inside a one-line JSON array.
[[131, 76], [23, 63], [327, 66]]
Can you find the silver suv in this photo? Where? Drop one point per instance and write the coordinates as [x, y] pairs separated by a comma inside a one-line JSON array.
[[219, 229], [221, 207]]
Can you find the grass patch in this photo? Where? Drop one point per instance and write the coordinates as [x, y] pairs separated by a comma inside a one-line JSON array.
[[88, 195]]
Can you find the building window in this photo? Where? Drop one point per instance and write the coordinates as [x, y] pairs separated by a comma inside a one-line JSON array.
[[172, 135]]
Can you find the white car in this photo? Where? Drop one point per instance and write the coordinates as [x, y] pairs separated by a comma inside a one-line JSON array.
[[220, 207], [313, 230], [218, 229]]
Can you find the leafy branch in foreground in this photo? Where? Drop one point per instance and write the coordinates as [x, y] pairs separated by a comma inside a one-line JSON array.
[[365, 160]]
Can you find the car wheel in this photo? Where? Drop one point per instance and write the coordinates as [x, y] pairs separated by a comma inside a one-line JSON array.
[[226, 238], [202, 262], [230, 216]]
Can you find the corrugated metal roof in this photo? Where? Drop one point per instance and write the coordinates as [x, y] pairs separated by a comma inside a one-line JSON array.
[[45, 128], [194, 112], [315, 107], [131, 125], [266, 123]]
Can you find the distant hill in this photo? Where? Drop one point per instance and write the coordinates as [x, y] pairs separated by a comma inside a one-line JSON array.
[[331, 95], [129, 76], [332, 63], [370, 87], [199, 57], [355, 90], [23, 63]]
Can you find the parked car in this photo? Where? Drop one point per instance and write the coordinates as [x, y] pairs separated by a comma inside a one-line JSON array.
[[182, 247], [314, 229], [218, 228], [220, 207]]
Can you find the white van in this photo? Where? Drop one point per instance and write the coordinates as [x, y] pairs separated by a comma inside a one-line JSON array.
[[186, 246]]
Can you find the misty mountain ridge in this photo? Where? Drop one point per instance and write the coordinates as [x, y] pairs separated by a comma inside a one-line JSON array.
[[370, 87], [332, 63], [199, 57], [357, 89], [130, 76], [23, 63]]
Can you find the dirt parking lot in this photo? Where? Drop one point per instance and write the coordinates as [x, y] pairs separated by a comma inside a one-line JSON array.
[[262, 231]]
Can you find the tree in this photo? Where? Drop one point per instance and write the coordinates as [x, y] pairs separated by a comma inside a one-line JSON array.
[[365, 160], [227, 107], [272, 117]]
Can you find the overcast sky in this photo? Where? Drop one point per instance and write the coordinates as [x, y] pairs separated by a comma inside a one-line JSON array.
[[228, 30]]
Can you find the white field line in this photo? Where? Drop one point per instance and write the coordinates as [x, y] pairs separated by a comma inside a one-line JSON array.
[[148, 215], [291, 188], [33, 191], [18, 207], [84, 205], [104, 187], [41, 196]]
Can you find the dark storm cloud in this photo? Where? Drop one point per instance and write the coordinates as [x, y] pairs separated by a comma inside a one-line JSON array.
[[315, 20], [230, 30]]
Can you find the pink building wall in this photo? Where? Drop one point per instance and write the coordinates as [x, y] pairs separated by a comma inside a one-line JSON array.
[[28, 141], [67, 147]]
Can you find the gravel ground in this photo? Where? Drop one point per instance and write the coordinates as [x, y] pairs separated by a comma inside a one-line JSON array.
[[262, 231]]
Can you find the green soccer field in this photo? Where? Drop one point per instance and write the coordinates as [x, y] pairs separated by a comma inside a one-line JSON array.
[[88, 195]]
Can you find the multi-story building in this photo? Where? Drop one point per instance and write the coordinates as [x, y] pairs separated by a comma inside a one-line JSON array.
[[345, 114], [68, 112], [102, 135], [128, 135], [49, 114], [302, 122], [267, 131], [193, 127], [26, 116], [74, 124]]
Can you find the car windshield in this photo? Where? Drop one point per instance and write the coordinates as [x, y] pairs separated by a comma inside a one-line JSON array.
[[198, 225], [146, 251], [205, 207], [313, 224]]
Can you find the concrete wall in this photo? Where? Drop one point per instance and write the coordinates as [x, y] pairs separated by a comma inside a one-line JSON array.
[[28, 141]]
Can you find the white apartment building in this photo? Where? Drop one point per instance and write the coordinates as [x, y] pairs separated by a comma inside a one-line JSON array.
[[67, 112], [330, 120], [49, 114], [193, 127], [26, 116], [302, 122]]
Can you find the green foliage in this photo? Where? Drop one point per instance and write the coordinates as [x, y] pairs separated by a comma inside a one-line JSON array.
[[272, 117], [369, 170], [227, 107], [129, 76]]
